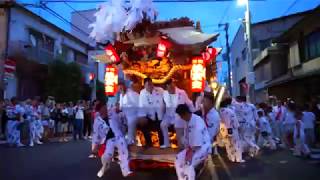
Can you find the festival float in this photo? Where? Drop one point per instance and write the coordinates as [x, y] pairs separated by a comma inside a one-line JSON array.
[[139, 46]]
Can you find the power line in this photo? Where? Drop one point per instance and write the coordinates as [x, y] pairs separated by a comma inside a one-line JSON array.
[[52, 12], [290, 7], [76, 11], [225, 13]]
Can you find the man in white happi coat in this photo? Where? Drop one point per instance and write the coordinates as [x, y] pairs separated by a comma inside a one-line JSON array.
[[212, 117], [172, 97], [129, 105], [279, 112], [151, 110], [36, 127], [265, 137], [247, 117], [197, 144], [115, 140], [15, 117], [229, 131]]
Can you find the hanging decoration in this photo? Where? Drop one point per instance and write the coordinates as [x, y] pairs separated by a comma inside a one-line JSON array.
[[198, 74], [113, 17], [111, 80], [112, 54], [140, 10], [110, 19], [174, 69], [163, 46]]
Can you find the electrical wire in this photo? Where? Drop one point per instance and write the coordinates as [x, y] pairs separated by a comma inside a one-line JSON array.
[[290, 7], [76, 11], [54, 13]]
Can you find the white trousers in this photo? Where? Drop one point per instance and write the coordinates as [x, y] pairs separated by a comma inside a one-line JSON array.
[[233, 146], [267, 141], [121, 145], [13, 133], [36, 130], [248, 138], [276, 128], [165, 132], [300, 147], [131, 117], [186, 171]]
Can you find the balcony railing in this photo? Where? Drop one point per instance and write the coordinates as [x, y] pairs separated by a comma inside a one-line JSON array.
[[26, 50]]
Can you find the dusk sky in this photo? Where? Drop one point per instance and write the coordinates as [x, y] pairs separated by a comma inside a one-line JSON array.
[[210, 14]]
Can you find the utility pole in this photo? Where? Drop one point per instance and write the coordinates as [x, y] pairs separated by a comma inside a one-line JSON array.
[[250, 76], [226, 29]]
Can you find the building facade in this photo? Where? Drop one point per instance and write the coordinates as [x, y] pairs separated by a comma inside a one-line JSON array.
[[262, 35], [291, 68], [33, 42]]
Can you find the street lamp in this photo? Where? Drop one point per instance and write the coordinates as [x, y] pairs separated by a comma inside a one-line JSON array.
[[250, 73], [242, 2]]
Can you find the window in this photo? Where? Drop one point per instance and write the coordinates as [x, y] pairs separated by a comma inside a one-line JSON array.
[[244, 54], [237, 62], [312, 46], [41, 40], [81, 58], [264, 44]]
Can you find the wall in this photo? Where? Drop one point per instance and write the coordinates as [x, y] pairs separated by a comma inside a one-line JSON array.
[[78, 20], [3, 44], [262, 34], [31, 82], [22, 20]]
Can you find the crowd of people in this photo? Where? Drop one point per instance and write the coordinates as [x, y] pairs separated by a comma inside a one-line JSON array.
[[35, 121], [237, 126]]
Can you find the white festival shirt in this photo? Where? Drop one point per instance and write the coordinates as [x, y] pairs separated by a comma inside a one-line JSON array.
[[100, 130], [264, 125], [213, 122], [115, 123], [172, 101], [196, 133], [79, 112], [281, 111], [308, 119], [129, 100], [151, 104]]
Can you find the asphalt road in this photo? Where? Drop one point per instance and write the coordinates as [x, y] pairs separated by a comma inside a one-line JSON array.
[[69, 161]]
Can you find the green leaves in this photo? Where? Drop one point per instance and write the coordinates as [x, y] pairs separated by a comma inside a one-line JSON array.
[[64, 81]]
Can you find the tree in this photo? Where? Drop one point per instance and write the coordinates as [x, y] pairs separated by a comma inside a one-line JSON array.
[[64, 81], [100, 91]]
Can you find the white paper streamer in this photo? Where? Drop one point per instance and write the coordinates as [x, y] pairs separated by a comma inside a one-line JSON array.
[[112, 18]]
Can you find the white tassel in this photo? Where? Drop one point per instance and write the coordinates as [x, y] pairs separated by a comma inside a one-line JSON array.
[[112, 18]]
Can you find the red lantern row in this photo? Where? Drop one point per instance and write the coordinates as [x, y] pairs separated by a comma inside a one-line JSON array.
[[198, 74], [111, 80]]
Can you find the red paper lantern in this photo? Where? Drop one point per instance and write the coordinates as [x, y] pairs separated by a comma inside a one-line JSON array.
[[198, 74], [111, 80], [209, 53], [112, 54], [91, 76], [162, 48]]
